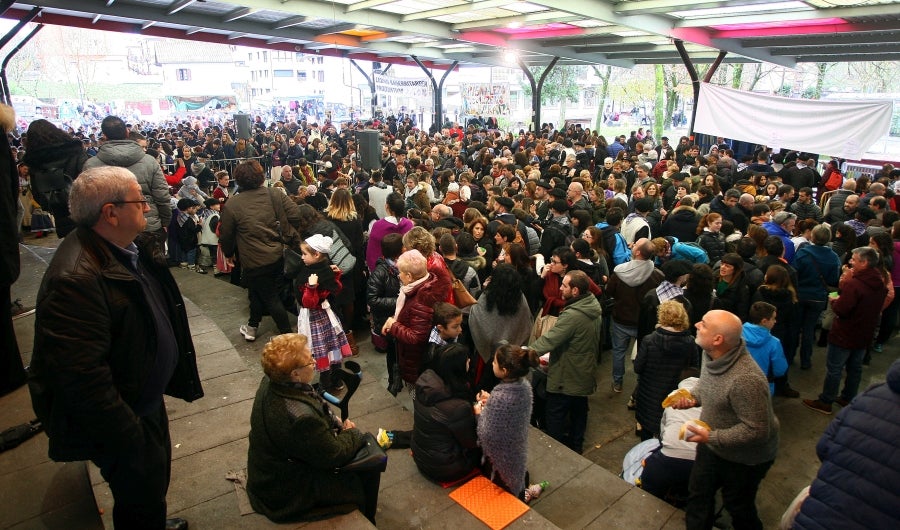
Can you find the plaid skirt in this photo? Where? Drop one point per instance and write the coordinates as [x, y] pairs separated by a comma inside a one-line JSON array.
[[327, 340]]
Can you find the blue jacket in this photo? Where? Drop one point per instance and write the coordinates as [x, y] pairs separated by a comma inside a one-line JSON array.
[[776, 230], [814, 265], [856, 487], [766, 350]]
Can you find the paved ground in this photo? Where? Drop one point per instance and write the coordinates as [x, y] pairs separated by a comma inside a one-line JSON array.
[[209, 438]]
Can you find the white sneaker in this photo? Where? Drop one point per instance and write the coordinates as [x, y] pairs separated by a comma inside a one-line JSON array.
[[248, 332]]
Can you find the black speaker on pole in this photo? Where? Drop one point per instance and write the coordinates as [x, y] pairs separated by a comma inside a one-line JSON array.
[[242, 122], [369, 149]]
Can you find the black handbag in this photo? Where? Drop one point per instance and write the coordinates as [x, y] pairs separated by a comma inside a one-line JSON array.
[[370, 458], [293, 262]]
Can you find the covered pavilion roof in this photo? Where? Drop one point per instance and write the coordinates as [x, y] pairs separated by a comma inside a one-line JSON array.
[[486, 32]]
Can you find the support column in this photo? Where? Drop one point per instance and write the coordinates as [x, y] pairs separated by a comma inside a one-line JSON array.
[[4, 85], [695, 79], [373, 98], [536, 91], [437, 112]]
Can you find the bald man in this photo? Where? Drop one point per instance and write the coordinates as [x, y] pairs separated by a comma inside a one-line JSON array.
[[739, 448]]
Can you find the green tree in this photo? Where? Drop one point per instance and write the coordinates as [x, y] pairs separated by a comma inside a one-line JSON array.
[[659, 106], [561, 85], [604, 74]]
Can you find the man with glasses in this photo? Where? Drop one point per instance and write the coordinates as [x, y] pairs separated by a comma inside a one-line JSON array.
[[117, 150], [111, 336]]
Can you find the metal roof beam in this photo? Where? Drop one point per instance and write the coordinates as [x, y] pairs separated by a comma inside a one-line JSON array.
[[524, 20], [290, 21], [849, 58], [602, 10], [829, 39], [816, 14], [838, 50], [452, 10], [667, 6], [337, 28], [176, 7], [709, 59], [240, 12], [365, 4]]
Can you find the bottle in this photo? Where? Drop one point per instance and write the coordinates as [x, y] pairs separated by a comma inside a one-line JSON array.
[[534, 491]]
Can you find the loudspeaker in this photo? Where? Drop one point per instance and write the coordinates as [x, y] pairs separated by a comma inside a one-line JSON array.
[[369, 149], [242, 122]]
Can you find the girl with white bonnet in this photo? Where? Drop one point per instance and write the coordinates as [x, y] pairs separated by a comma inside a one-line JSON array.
[[317, 282]]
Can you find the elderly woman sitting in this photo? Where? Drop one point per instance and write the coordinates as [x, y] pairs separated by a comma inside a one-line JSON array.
[[296, 443]]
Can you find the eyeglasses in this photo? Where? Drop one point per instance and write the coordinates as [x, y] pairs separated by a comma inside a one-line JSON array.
[[142, 202]]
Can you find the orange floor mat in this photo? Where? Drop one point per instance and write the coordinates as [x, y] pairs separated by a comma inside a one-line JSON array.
[[491, 504]]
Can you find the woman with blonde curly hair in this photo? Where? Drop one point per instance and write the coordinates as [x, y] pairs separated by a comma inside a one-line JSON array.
[[661, 357], [296, 443]]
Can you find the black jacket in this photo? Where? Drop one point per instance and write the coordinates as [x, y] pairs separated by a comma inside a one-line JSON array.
[[661, 357], [736, 298], [43, 163], [682, 223], [444, 443], [381, 293], [713, 244], [85, 378]]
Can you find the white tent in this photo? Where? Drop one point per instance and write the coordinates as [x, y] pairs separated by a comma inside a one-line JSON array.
[[837, 128]]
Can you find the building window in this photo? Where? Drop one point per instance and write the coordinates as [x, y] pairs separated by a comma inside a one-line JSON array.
[[319, 59], [301, 75], [183, 74], [265, 56], [321, 76], [282, 73]]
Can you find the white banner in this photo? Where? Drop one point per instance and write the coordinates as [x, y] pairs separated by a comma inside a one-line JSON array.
[[836, 128], [402, 86], [485, 99]]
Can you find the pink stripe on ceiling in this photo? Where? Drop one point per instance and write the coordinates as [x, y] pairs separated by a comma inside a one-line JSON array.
[[547, 34]]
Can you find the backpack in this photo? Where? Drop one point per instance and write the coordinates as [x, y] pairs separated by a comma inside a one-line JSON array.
[[52, 186], [621, 253]]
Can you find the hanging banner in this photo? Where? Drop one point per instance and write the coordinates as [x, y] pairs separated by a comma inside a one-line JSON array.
[[402, 86], [827, 127], [485, 99]]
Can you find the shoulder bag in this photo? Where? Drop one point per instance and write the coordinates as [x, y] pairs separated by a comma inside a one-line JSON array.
[[293, 262], [461, 296]]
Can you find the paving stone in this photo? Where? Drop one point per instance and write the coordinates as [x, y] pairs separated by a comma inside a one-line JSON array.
[[220, 363], [192, 434], [402, 507], [579, 500], [211, 343], [201, 476], [635, 509], [218, 392], [28, 493]]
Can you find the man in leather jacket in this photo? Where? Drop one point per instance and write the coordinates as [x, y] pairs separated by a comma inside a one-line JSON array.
[[111, 337]]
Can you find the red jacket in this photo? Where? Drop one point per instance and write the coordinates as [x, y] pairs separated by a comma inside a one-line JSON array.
[[413, 325], [856, 310]]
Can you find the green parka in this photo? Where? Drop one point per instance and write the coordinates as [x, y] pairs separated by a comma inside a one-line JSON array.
[[573, 343]]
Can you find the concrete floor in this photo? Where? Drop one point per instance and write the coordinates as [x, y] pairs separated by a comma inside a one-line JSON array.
[[610, 426]]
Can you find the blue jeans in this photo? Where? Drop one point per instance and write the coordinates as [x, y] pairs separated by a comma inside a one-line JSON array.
[[810, 311], [621, 338], [562, 410], [838, 359]]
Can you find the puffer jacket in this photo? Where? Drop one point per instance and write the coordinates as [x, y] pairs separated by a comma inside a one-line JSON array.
[[381, 292], [766, 350], [85, 380], [248, 227], [444, 442], [714, 245], [130, 155], [856, 487], [682, 223], [661, 357], [413, 325], [573, 344]]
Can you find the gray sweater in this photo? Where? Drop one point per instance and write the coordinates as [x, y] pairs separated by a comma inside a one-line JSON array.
[[734, 394]]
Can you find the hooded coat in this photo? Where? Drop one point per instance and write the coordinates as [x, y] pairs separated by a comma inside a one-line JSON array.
[[629, 283], [682, 223], [131, 156], [68, 157], [766, 350], [661, 357]]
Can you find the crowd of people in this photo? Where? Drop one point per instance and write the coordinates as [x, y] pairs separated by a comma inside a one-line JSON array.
[[476, 251]]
